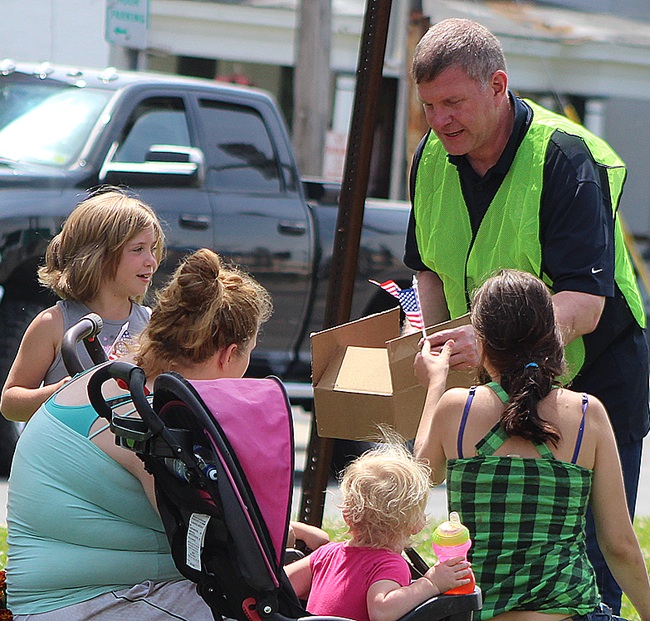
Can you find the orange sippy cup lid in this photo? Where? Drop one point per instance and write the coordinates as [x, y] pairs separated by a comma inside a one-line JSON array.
[[451, 533]]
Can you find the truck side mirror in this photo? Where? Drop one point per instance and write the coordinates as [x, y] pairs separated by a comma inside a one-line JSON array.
[[164, 165]]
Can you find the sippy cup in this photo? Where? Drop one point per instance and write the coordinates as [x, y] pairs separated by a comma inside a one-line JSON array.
[[451, 539]]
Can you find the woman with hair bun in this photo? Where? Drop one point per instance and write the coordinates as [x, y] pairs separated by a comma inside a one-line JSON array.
[[523, 458], [207, 314], [85, 538]]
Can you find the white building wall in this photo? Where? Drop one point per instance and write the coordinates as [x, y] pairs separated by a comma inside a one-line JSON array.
[[58, 31]]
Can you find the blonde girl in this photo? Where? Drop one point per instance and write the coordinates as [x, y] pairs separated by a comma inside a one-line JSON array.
[[384, 497], [102, 261]]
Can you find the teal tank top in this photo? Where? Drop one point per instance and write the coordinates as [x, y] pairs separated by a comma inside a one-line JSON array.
[[79, 524]]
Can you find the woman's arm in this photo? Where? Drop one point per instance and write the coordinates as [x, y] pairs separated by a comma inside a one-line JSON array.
[[614, 530], [23, 394], [431, 369], [126, 458], [429, 439]]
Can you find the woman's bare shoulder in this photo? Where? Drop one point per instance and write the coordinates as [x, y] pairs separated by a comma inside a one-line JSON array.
[[566, 412], [566, 398], [449, 409], [453, 397]]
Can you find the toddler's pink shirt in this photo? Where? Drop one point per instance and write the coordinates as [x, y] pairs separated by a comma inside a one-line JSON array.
[[342, 575]]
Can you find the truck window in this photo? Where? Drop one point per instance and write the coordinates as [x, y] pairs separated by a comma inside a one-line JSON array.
[[154, 121], [46, 122], [239, 154]]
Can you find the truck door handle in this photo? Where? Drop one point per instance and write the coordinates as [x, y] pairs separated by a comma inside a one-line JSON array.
[[292, 228], [196, 223]]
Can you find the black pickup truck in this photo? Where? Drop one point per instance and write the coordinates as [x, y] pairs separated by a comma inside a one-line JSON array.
[[215, 161]]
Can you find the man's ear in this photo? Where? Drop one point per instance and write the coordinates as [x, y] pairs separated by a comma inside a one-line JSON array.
[[499, 83]]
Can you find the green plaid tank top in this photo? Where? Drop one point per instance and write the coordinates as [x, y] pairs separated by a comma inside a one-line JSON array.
[[527, 520]]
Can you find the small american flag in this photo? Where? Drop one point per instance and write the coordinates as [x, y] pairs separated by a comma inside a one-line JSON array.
[[120, 346], [408, 299]]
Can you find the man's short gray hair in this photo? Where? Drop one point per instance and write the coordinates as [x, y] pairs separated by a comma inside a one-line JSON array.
[[457, 43]]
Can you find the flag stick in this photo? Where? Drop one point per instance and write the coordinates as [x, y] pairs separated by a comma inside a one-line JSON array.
[[417, 297]]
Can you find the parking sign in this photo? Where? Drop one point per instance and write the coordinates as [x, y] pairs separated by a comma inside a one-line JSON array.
[[127, 22]]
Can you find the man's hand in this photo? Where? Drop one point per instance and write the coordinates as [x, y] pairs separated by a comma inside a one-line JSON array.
[[464, 354]]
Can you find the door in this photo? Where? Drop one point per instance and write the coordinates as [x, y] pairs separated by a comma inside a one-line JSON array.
[[261, 221]]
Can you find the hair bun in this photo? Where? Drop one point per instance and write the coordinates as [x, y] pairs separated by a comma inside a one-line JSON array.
[[199, 280]]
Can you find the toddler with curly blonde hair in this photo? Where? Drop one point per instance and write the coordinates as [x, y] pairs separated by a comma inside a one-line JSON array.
[[384, 497]]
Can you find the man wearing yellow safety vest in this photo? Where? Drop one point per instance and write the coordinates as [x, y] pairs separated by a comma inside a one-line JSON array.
[[499, 182]]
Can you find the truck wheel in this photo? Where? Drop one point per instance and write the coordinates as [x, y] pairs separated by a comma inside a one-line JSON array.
[[15, 316]]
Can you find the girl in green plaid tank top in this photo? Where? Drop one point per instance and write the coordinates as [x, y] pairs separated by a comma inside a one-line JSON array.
[[523, 458]]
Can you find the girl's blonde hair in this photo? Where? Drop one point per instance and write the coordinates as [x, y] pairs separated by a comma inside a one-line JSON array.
[[205, 307], [89, 247], [384, 496]]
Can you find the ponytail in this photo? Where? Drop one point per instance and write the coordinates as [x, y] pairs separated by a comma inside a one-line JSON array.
[[526, 387], [514, 319]]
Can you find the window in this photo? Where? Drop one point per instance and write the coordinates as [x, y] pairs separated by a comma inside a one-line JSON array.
[[238, 150], [154, 121], [45, 122]]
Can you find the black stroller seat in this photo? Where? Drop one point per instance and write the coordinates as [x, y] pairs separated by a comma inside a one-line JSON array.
[[221, 453]]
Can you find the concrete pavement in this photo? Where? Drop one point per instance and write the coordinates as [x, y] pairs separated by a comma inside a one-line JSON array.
[[437, 502]]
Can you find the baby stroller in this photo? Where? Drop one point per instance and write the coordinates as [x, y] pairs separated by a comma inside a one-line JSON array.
[[222, 455]]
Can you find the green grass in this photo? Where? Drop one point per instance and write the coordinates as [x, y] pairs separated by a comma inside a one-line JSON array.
[[3, 547], [422, 543]]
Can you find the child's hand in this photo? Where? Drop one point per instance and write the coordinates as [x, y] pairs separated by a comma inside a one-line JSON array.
[[50, 389], [430, 364], [448, 575]]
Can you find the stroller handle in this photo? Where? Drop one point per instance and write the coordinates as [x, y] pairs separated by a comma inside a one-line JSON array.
[[86, 329], [135, 379]]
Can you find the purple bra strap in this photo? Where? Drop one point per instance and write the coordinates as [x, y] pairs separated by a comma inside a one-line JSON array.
[[581, 430], [463, 421]]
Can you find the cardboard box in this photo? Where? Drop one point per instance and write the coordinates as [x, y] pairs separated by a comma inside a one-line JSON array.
[[362, 374]]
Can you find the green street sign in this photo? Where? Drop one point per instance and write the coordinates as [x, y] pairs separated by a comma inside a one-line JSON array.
[[127, 22]]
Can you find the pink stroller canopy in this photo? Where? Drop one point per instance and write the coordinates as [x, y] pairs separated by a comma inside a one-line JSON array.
[[256, 418]]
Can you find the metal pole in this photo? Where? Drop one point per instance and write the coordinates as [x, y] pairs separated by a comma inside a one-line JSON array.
[[348, 230], [398, 176]]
